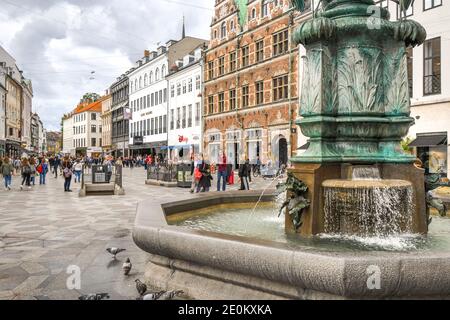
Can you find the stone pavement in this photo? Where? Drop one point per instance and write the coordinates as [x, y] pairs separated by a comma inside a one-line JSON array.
[[44, 231]]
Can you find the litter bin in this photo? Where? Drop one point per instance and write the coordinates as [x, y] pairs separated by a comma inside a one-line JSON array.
[[184, 177], [99, 175]]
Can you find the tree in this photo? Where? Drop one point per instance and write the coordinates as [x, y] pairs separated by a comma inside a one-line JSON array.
[[90, 98]]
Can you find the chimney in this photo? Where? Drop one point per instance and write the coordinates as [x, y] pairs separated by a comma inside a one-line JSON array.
[[147, 55]]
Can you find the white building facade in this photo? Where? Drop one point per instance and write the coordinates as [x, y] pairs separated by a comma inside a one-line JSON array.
[[2, 108], [185, 107], [87, 133], [68, 140], [429, 78], [148, 103], [148, 97]]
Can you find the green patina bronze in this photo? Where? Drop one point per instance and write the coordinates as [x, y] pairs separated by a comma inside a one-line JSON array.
[[355, 104], [242, 7]]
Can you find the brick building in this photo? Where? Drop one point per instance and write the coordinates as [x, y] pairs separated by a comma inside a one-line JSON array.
[[250, 92]]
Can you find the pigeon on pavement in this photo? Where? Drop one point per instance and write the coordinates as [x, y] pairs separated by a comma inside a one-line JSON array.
[[152, 296], [94, 296], [170, 295], [141, 287], [127, 267], [115, 251]]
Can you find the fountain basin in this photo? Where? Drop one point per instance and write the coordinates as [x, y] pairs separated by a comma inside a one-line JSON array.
[[213, 265]]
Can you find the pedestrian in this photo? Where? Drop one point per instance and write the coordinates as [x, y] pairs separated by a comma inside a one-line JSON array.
[[33, 165], [243, 175], [222, 173], [67, 174], [42, 169], [7, 171], [204, 183], [25, 171], [56, 165], [230, 174], [194, 171], [78, 170]]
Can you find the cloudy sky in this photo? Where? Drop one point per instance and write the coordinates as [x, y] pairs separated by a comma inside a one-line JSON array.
[[58, 43]]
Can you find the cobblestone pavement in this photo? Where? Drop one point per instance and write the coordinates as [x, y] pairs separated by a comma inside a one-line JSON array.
[[44, 231]]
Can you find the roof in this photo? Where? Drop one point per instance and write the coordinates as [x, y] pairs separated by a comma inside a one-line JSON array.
[[91, 107]]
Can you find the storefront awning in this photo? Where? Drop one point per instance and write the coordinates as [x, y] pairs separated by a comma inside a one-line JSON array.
[[429, 140]]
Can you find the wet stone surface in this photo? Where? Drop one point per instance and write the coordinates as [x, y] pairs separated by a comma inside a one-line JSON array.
[[45, 231]]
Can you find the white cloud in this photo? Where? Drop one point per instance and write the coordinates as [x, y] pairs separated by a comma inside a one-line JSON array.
[[58, 43]]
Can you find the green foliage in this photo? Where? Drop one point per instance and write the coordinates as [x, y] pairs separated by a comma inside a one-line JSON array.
[[90, 98], [405, 144]]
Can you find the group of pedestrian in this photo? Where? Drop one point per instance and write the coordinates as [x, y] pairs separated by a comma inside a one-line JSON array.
[[202, 172], [28, 168]]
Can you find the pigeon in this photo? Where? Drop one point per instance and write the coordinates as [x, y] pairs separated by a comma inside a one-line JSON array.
[[94, 296], [152, 296], [115, 251], [171, 294], [127, 267], [141, 287]]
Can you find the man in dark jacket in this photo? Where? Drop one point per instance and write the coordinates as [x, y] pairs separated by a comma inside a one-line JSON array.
[[243, 175], [222, 173]]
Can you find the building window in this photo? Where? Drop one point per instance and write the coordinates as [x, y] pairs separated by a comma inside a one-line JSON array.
[[178, 88], [93, 142], [157, 75], [211, 70], [152, 128], [165, 95], [253, 13], [232, 94], [408, 12], [198, 82], [165, 124], [259, 92], [245, 60], [221, 66], [184, 87], [190, 116], [245, 96], [190, 85], [280, 88], [93, 116], [280, 43], [260, 51], [221, 102], [223, 30], [432, 66], [178, 118], [265, 8], [148, 101], [430, 4], [198, 112], [172, 91], [232, 61], [409, 57], [211, 104], [183, 123], [172, 119], [93, 129], [160, 125], [148, 127]]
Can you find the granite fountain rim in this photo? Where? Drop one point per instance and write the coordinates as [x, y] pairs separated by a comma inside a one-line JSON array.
[[413, 274]]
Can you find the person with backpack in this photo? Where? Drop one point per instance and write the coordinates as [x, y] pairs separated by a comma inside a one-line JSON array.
[[204, 183], [78, 170], [25, 170], [7, 171], [42, 169], [67, 174], [33, 171]]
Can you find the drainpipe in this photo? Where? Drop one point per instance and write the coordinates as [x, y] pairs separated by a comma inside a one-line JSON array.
[[291, 50]]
